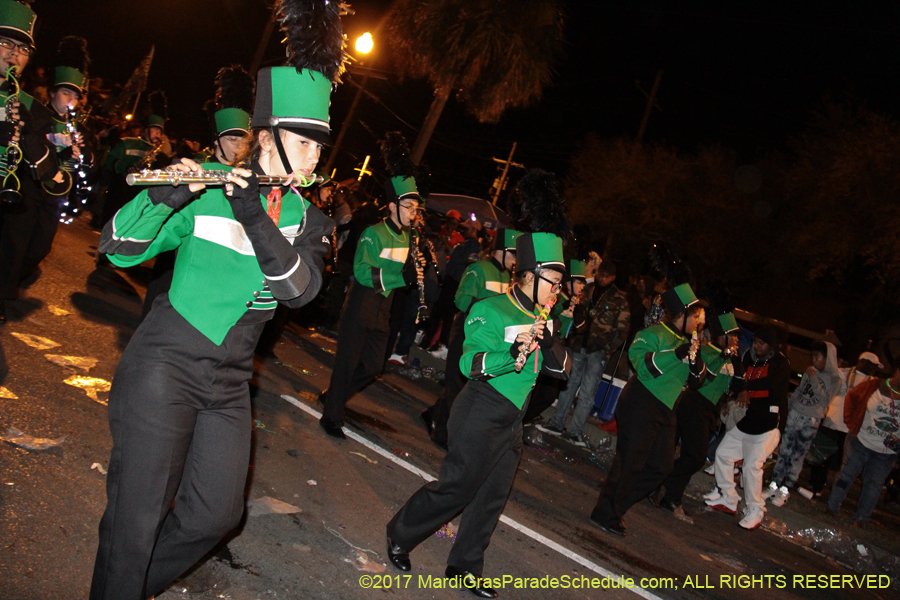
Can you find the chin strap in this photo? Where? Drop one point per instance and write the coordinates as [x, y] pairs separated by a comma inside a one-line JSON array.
[[276, 133], [537, 283]]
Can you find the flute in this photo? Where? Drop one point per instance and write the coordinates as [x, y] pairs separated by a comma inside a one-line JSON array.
[[210, 177], [532, 333]]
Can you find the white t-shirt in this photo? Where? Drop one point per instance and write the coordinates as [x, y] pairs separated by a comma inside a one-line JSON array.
[[834, 418], [881, 424]]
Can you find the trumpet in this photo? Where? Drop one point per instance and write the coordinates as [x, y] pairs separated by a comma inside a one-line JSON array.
[[211, 177]]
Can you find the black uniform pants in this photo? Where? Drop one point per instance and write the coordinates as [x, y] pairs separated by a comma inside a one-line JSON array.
[[645, 452], [697, 420], [27, 230], [475, 478], [454, 380], [403, 325], [179, 414], [362, 342]]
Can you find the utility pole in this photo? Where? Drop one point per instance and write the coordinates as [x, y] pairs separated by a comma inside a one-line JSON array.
[[346, 125], [651, 102], [500, 182]]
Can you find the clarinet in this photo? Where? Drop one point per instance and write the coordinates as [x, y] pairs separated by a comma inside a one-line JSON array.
[[420, 262], [9, 193], [532, 333]]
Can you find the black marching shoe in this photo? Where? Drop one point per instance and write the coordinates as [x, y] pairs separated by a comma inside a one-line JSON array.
[[398, 556], [615, 528], [331, 428], [470, 582], [428, 420], [667, 504]]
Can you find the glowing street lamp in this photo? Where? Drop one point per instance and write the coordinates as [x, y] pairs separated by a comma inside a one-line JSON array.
[[364, 43]]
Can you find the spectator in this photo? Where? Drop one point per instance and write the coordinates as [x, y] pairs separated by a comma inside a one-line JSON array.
[[607, 320], [871, 412], [833, 427], [806, 409], [755, 437]]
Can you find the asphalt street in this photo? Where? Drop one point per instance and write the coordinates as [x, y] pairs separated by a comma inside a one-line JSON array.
[[317, 507]]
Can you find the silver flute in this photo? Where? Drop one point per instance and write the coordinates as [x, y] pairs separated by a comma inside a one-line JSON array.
[[211, 177]]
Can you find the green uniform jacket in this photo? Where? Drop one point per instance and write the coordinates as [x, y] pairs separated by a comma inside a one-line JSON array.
[[719, 373], [491, 329], [480, 280], [127, 153], [663, 374], [217, 276], [380, 256]]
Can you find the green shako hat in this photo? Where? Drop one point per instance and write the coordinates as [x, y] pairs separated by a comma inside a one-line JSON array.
[[505, 239], [578, 269], [679, 298], [72, 63], [297, 97], [233, 102], [723, 324], [17, 21], [539, 251]]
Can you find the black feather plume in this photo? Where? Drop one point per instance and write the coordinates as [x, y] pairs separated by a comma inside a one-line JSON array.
[[718, 295], [395, 152], [234, 89], [72, 52], [540, 205], [667, 263], [423, 180], [314, 37], [158, 104]]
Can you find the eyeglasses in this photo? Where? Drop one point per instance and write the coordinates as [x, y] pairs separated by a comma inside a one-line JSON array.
[[555, 286], [23, 49], [409, 207]]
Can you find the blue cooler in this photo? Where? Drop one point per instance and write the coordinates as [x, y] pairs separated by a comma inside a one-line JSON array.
[[605, 411]]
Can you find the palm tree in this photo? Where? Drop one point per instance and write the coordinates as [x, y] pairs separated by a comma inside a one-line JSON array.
[[495, 54]]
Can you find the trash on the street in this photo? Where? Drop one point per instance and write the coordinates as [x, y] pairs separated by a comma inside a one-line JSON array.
[[91, 386], [322, 337], [447, 531], [293, 452], [374, 462], [862, 550], [5, 393], [361, 561], [328, 350], [79, 362], [59, 312], [260, 425], [99, 468], [266, 505], [400, 453], [23, 440], [309, 396], [311, 482], [35, 341], [297, 370]]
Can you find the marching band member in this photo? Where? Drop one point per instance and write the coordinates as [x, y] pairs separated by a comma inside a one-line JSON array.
[[179, 407]]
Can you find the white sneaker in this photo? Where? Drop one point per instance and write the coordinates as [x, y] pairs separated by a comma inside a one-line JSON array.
[[713, 495], [778, 499], [711, 469], [722, 505], [771, 489], [752, 518], [397, 359], [440, 353]]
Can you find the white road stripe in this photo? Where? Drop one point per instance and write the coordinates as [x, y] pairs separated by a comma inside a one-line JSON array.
[[514, 524]]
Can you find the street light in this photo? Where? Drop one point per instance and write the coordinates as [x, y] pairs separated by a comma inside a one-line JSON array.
[[364, 43]]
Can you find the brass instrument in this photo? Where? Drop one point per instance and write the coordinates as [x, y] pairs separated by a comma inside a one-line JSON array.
[[9, 191], [78, 171], [211, 177], [147, 160], [532, 333]]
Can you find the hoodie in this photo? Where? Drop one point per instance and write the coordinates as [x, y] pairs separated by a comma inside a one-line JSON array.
[[812, 396]]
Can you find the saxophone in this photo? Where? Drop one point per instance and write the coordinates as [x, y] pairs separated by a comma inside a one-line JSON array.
[[77, 194], [147, 160], [9, 191], [532, 333]]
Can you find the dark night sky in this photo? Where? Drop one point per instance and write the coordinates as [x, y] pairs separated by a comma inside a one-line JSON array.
[[743, 74]]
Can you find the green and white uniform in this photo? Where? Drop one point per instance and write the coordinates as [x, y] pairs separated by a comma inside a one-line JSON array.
[[482, 279]]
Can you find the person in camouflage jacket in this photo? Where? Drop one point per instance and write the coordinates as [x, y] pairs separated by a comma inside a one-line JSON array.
[[604, 330]]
